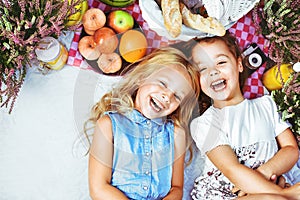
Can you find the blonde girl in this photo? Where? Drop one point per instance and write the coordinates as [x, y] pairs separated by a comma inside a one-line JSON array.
[[141, 129]]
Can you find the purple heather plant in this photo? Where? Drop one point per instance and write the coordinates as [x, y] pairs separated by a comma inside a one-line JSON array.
[[288, 101], [22, 25], [279, 22]]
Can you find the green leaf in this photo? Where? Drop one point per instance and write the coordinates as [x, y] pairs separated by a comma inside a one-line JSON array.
[[6, 45]]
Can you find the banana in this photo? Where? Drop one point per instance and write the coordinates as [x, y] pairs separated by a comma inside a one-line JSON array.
[[118, 3], [76, 17], [84, 8]]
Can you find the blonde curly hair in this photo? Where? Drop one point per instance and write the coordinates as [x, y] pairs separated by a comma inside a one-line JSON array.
[[121, 98]]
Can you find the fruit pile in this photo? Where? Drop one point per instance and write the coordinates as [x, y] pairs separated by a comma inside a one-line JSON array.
[[110, 39]]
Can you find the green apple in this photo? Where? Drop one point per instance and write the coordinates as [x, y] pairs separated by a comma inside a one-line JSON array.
[[120, 21]]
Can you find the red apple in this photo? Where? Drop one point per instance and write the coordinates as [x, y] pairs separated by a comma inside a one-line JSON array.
[[93, 19], [120, 20], [109, 63], [87, 48], [106, 40]]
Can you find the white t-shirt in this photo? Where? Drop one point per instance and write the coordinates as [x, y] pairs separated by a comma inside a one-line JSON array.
[[249, 127]]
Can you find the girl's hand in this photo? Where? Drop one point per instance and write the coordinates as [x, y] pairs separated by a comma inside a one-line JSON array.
[[292, 192], [267, 173], [288, 192], [280, 181], [238, 192]]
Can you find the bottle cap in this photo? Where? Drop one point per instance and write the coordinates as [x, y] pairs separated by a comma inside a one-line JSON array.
[[47, 49]]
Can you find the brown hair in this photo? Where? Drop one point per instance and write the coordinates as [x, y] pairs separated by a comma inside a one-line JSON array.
[[233, 46]]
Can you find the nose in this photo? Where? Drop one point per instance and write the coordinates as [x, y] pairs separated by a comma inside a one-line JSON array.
[[214, 71], [166, 96]]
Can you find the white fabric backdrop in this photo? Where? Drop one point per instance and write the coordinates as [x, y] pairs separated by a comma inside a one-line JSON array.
[[40, 156]]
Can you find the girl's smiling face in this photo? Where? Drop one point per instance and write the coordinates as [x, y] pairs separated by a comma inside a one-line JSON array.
[[219, 72], [161, 94]]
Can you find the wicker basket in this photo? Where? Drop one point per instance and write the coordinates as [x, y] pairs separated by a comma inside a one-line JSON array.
[[226, 11]]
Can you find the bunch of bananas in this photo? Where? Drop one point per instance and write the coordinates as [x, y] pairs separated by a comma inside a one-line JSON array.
[[76, 17]]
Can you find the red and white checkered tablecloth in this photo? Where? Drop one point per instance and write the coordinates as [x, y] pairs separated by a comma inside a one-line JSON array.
[[243, 29], [246, 34]]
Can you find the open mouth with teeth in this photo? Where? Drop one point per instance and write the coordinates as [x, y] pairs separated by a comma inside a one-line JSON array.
[[156, 105], [218, 85]]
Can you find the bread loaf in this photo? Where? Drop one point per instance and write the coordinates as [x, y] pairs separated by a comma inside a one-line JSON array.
[[172, 17], [196, 21]]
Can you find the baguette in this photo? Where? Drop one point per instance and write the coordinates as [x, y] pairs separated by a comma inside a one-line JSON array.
[[196, 21], [172, 17]]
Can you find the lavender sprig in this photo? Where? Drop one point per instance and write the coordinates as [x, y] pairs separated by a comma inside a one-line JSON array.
[[279, 22], [22, 25], [288, 101]]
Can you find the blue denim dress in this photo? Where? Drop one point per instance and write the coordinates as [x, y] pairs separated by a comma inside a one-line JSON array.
[[143, 155]]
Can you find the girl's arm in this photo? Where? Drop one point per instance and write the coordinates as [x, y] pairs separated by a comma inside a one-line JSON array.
[[284, 159], [248, 180], [291, 193], [100, 163], [176, 191]]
